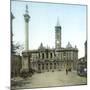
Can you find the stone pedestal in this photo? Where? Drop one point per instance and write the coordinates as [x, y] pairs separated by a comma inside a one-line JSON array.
[[25, 62]]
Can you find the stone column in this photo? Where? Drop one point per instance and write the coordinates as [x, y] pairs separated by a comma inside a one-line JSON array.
[[40, 55], [25, 54], [26, 18]]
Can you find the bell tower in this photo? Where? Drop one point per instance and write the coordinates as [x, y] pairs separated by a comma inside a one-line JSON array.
[[57, 35]]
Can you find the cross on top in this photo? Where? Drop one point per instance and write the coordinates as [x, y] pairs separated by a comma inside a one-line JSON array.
[[26, 8]]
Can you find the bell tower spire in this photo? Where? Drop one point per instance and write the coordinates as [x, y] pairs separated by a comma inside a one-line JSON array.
[[58, 24], [57, 35]]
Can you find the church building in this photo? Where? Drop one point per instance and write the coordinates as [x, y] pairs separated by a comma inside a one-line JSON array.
[[48, 59]]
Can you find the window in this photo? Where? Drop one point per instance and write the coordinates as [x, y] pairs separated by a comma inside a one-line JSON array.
[[38, 66], [50, 55], [42, 55]]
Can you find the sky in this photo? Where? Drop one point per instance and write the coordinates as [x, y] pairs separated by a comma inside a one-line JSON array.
[[72, 19]]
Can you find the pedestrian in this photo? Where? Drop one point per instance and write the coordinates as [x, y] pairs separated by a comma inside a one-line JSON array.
[[66, 71]]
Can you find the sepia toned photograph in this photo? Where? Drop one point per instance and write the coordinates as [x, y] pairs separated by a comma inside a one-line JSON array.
[[48, 44]]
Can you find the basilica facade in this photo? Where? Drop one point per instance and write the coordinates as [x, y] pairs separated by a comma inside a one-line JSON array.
[[49, 59]]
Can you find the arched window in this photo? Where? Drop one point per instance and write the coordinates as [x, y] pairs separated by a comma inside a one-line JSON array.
[[42, 55], [50, 55], [38, 66]]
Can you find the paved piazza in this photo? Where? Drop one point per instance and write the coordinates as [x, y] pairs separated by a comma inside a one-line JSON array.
[[48, 79]]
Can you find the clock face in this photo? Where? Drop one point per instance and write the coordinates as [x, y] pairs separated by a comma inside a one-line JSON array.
[[57, 41]]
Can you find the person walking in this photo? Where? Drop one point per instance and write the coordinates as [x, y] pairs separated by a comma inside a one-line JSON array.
[[66, 71]]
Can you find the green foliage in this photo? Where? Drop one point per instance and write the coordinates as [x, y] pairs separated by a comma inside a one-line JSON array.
[[24, 74]]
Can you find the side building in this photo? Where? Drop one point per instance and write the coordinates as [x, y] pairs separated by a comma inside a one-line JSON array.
[[82, 63]]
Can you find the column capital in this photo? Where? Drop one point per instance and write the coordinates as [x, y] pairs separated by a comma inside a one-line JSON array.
[[26, 17]]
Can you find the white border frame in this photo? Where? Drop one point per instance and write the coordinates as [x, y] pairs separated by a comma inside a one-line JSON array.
[[5, 44]]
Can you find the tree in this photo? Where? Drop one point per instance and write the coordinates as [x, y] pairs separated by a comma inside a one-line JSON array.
[[15, 47]]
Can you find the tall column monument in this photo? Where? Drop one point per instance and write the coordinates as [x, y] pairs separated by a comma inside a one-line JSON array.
[[25, 53]]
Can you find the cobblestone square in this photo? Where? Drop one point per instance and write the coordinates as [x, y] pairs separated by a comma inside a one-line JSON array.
[[51, 79]]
